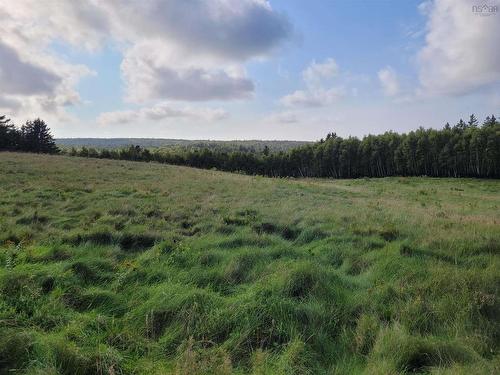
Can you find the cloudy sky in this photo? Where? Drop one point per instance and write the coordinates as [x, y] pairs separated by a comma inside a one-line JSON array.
[[247, 69]]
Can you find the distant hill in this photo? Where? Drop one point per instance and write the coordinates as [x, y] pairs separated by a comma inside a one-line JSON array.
[[110, 143]]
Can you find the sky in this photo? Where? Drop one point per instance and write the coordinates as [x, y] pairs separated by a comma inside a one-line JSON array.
[[248, 69]]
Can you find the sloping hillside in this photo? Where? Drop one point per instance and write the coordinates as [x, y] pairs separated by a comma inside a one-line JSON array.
[[115, 267]]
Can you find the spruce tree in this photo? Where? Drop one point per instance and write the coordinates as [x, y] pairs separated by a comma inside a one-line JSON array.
[[8, 134], [4, 120], [472, 121], [36, 137], [490, 121]]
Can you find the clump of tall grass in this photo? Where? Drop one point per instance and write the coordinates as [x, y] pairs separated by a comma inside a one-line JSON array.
[[401, 352]]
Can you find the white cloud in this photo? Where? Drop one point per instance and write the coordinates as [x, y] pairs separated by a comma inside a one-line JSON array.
[[319, 92], [23, 77], [37, 23], [178, 50], [34, 81], [313, 98], [389, 81], [159, 112], [217, 28], [461, 53], [316, 73], [285, 117], [151, 73], [194, 50], [118, 117], [425, 7]]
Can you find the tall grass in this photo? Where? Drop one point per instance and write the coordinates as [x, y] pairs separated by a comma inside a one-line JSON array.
[[112, 267]]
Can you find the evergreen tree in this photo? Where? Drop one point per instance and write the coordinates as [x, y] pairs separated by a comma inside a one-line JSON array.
[[461, 125], [36, 137], [9, 136], [472, 121], [266, 150], [462, 150], [490, 121], [4, 120]]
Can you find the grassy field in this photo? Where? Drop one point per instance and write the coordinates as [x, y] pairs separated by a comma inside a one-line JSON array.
[[112, 267]]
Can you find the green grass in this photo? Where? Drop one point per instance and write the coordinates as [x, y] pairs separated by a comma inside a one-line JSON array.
[[112, 267]]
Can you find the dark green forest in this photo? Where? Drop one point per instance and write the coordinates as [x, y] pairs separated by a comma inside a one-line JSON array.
[[166, 143], [467, 149]]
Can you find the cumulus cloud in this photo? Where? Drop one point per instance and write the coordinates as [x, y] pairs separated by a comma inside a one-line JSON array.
[[151, 73], [199, 84], [318, 93], [316, 73], [285, 117], [194, 50], [313, 98], [118, 117], [224, 29], [389, 81], [461, 53], [177, 50], [38, 23], [22, 77], [161, 111], [33, 80]]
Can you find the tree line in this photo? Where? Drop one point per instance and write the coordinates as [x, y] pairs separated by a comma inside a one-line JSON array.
[[466, 149], [164, 143], [33, 136]]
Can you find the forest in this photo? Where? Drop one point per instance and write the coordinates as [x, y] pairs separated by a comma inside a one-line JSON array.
[[165, 143], [467, 149]]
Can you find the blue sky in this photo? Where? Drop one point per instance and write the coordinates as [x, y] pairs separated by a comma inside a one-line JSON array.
[[249, 69]]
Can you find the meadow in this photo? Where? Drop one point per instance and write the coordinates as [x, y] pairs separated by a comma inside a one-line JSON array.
[[118, 267]]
